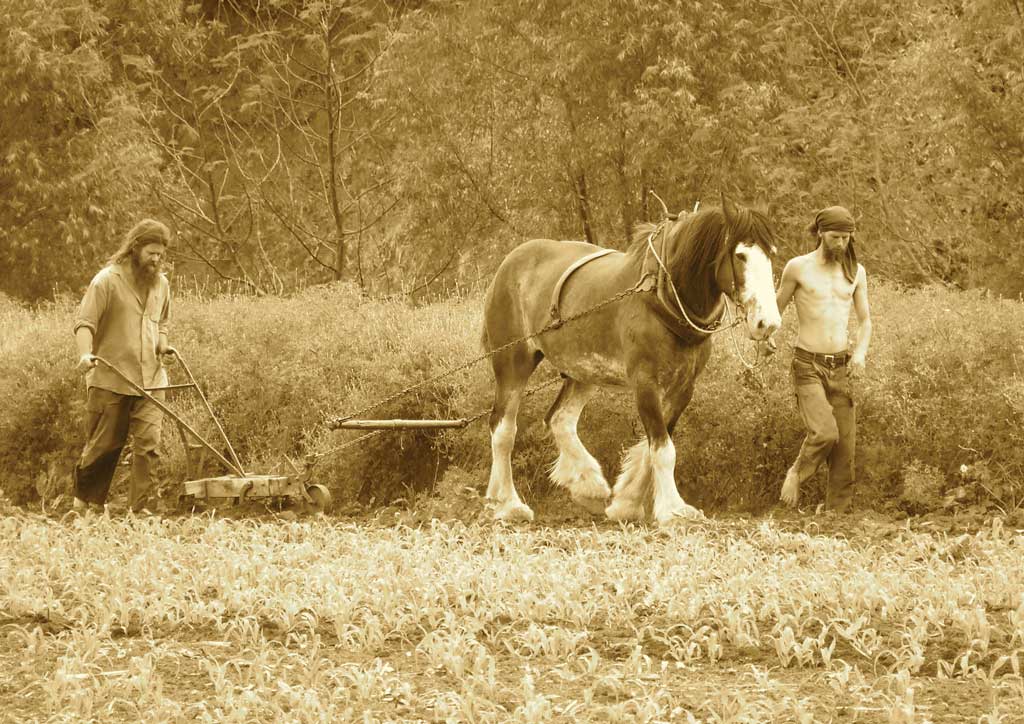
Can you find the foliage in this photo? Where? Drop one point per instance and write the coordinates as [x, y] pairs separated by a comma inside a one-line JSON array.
[[922, 487], [549, 133], [408, 145], [274, 370], [76, 157], [275, 163]]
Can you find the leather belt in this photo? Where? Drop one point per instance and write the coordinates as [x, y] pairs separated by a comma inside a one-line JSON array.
[[829, 360]]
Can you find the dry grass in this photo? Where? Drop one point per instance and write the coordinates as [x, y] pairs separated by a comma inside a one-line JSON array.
[[209, 619]]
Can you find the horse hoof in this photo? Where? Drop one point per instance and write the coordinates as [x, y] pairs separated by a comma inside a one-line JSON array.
[[592, 486], [620, 511], [686, 514], [593, 505], [513, 512]]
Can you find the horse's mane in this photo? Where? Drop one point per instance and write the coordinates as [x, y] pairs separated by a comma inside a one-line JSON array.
[[697, 242], [700, 237]]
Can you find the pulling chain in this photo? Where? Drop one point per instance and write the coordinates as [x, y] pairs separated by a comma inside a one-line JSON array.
[[550, 326]]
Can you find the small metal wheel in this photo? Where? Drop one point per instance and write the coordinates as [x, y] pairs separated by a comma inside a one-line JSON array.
[[319, 496]]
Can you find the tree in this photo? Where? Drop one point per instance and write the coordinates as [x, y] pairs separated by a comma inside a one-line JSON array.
[[77, 162], [275, 152], [557, 118]]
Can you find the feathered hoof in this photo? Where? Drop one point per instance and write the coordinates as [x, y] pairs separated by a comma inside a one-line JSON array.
[[582, 478], [680, 516], [514, 511], [623, 510], [593, 505]]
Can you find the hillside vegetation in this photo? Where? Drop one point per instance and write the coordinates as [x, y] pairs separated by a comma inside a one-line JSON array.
[[408, 144]]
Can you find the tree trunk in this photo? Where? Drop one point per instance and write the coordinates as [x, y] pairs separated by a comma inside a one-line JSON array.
[[624, 187], [579, 181], [332, 176]]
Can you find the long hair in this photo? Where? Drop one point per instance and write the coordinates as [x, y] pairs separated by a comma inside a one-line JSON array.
[[837, 218], [849, 261], [147, 231]]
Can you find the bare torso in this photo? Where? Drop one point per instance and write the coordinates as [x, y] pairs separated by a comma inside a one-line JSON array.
[[824, 298]]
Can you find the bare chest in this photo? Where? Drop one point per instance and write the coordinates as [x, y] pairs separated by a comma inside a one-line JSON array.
[[828, 288]]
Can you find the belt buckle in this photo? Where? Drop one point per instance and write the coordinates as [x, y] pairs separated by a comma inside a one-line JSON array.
[[829, 359]]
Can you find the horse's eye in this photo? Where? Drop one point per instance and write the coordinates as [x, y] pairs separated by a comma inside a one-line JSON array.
[[741, 255]]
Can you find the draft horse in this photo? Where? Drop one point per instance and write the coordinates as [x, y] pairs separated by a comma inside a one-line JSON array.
[[654, 340]]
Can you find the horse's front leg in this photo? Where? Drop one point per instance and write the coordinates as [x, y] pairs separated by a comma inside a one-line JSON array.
[[652, 489]]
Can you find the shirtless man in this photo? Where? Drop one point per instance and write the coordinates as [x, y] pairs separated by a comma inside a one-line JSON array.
[[824, 284]]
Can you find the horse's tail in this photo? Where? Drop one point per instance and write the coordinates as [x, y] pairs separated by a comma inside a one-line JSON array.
[[485, 339], [485, 342]]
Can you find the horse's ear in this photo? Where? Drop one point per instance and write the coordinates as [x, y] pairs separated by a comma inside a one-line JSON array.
[[762, 204], [728, 208]]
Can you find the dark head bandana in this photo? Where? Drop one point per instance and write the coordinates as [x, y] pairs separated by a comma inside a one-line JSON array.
[[837, 218], [834, 218]]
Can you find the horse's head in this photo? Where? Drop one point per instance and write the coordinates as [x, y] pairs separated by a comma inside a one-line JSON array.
[[744, 268]]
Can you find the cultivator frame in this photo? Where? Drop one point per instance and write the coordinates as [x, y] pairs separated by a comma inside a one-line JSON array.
[[240, 486]]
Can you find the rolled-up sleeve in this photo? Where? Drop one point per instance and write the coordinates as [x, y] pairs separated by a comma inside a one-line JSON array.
[[93, 304]]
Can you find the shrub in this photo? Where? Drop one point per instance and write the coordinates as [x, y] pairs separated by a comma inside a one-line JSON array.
[[942, 386], [923, 485]]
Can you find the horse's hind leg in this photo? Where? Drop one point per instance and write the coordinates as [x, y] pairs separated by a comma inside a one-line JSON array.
[[512, 368], [575, 468]]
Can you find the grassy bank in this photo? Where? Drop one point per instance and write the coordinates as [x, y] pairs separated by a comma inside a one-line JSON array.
[[941, 409]]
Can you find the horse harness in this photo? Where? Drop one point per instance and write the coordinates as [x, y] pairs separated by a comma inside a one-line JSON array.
[[679, 321], [656, 281], [556, 294]]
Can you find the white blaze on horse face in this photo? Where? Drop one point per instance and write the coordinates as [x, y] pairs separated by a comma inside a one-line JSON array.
[[758, 293]]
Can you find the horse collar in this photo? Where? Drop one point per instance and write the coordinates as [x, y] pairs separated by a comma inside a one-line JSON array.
[[679, 322]]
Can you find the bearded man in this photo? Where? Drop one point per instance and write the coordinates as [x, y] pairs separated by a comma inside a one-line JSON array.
[[824, 284], [123, 319]]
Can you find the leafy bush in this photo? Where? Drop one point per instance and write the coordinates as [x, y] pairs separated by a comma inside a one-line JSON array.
[[942, 387], [922, 487]]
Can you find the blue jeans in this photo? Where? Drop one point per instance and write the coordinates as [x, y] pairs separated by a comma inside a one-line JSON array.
[[824, 399]]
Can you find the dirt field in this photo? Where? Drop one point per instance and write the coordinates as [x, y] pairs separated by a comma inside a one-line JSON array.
[[257, 617]]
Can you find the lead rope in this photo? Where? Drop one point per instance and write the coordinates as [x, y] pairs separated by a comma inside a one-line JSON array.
[[736, 345]]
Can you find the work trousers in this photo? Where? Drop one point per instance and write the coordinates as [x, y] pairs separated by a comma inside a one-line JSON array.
[[825, 402], [110, 417]]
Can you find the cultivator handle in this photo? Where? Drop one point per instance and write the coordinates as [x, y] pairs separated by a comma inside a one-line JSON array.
[[234, 466]]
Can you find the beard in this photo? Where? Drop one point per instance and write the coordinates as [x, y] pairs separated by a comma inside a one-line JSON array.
[[833, 254], [146, 275]]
